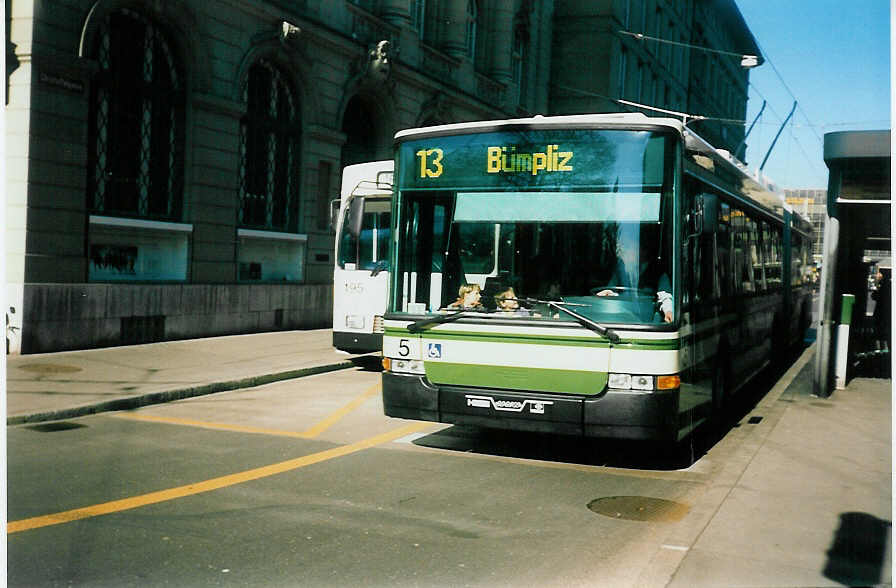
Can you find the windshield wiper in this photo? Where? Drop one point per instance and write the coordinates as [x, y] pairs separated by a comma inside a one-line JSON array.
[[561, 306], [418, 326]]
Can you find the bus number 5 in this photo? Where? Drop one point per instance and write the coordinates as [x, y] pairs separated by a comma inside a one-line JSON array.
[[436, 170], [403, 349]]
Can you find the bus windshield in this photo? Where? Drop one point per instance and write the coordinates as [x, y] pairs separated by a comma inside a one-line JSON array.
[[600, 244], [372, 245]]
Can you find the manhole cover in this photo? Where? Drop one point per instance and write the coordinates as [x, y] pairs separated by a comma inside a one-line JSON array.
[[49, 368], [639, 508]]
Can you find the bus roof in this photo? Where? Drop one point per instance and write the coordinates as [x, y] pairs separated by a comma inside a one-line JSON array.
[[622, 119], [372, 178]]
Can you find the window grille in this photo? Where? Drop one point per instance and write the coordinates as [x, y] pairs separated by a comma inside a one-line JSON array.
[[136, 122], [269, 143]]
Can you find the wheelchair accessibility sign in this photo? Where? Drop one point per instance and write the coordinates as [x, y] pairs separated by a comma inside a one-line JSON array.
[[434, 351]]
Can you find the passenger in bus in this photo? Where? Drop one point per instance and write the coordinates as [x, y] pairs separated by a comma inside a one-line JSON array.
[[468, 296], [507, 302], [641, 272]]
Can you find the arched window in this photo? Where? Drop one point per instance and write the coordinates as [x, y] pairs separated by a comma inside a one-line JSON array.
[[136, 122], [472, 25], [269, 149]]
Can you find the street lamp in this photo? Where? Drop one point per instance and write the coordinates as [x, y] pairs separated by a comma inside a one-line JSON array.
[[746, 60]]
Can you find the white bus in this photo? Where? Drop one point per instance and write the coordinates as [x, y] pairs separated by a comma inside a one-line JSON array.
[[361, 272], [648, 275]]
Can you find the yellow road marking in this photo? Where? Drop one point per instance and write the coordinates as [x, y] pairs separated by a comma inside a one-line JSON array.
[[310, 433], [208, 485], [336, 416]]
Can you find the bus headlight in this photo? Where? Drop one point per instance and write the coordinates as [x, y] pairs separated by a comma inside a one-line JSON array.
[[354, 321], [621, 381], [643, 383], [405, 366]]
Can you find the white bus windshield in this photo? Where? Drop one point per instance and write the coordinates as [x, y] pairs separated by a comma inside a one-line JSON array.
[[604, 249], [372, 245]]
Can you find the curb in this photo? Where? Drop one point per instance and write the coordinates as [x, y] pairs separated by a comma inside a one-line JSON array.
[[132, 402]]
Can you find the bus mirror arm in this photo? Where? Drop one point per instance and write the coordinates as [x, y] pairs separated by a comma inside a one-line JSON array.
[[704, 219], [380, 266]]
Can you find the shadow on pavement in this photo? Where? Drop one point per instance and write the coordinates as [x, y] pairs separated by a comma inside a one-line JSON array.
[[856, 556], [369, 363]]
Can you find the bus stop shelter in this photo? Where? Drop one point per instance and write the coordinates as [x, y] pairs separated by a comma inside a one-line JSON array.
[[858, 221]]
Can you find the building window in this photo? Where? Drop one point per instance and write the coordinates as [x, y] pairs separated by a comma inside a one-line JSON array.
[[136, 122], [269, 145], [520, 59], [418, 18], [472, 25]]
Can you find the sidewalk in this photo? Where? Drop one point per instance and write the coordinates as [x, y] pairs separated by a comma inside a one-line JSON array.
[[52, 386], [802, 497]]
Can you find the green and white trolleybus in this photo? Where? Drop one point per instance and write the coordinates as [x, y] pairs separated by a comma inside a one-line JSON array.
[[599, 275]]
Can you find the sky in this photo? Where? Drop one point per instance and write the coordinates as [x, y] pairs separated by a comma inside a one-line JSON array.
[[833, 58]]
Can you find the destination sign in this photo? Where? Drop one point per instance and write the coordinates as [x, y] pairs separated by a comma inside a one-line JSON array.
[[543, 159]]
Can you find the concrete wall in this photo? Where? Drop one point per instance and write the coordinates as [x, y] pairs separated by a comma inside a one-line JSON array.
[[80, 316]]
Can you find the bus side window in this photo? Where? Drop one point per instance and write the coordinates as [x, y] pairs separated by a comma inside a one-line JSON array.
[[744, 242], [724, 275], [796, 259]]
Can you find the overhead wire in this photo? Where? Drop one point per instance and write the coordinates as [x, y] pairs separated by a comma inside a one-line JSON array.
[[798, 106]]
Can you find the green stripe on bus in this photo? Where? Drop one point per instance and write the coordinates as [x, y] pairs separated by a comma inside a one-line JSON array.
[[516, 378], [533, 339]]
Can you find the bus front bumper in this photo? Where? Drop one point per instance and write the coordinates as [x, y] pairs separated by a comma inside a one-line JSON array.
[[358, 342], [612, 414]]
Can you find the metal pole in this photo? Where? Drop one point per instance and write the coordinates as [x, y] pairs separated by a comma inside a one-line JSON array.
[[822, 382], [750, 130], [783, 124]]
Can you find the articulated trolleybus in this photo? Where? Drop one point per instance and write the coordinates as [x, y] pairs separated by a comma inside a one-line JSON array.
[[596, 275], [360, 276]]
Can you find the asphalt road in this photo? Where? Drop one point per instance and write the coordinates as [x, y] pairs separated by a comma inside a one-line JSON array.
[[306, 483]]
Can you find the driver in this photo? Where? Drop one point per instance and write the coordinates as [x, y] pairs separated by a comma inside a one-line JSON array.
[[639, 269]]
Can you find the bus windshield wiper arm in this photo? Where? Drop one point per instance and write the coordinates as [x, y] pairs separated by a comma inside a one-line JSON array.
[[561, 306], [418, 326]]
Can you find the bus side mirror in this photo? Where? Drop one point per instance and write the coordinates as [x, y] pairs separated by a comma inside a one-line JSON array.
[[707, 214], [334, 214], [356, 216]]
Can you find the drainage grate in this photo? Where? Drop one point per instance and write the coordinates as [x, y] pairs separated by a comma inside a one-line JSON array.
[[755, 420], [639, 508], [49, 368], [54, 427]]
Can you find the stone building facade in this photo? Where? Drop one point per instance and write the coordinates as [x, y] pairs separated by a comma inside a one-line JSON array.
[[170, 163]]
